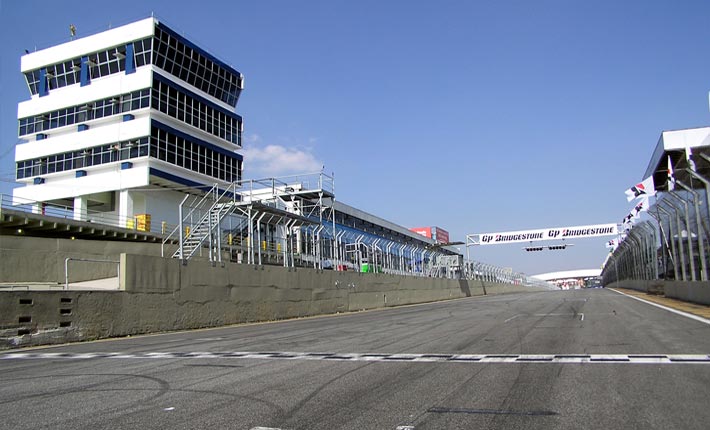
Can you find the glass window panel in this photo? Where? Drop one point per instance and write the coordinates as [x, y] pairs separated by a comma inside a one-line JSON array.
[[71, 78], [103, 69]]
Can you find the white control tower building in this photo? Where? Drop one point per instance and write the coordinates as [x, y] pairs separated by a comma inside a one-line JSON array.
[[117, 115]]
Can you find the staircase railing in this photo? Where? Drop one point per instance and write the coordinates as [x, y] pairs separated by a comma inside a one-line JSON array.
[[221, 203]]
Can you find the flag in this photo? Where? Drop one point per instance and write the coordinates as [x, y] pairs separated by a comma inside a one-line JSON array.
[[642, 206], [671, 178], [645, 187], [689, 158], [627, 219]]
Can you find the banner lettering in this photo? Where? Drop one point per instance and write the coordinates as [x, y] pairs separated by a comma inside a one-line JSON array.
[[555, 233]]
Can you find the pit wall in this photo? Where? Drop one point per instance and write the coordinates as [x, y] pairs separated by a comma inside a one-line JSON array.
[[687, 291], [25, 259], [161, 294]]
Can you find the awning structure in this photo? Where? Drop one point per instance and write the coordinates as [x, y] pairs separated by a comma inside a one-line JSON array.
[[675, 244]]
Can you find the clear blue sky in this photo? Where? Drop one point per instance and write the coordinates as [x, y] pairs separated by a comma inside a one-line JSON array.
[[472, 116]]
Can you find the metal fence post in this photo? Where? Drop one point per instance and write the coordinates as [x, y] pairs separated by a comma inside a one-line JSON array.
[[689, 235], [674, 254], [683, 268], [700, 229]]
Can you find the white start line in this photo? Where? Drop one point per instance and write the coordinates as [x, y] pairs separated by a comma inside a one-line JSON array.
[[412, 358]]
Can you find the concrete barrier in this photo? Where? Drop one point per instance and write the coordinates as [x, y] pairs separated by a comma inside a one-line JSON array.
[[26, 259], [161, 294], [688, 291], [695, 292]]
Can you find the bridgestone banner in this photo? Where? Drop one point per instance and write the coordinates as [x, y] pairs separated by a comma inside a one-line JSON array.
[[555, 233]]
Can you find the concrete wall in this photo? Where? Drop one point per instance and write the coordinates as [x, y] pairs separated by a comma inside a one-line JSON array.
[[163, 294], [637, 285], [695, 292], [26, 259]]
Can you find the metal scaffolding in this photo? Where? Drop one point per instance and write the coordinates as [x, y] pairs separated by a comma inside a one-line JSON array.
[[292, 222], [258, 221]]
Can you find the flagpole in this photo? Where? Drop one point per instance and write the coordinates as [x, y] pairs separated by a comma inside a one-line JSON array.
[[670, 186], [645, 188]]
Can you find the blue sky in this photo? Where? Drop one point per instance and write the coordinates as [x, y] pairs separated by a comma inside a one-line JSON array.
[[468, 115]]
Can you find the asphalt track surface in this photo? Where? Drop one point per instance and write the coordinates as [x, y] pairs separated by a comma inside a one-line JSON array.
[[557, 360]]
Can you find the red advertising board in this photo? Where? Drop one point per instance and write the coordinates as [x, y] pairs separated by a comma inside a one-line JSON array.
[[441, 235], [424, 231], [437, 233]]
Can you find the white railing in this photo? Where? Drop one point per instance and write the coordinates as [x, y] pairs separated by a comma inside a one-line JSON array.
[[95, 217]]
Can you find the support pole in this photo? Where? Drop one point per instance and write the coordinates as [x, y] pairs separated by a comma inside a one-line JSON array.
[[674, 254], [689, 235], [700, 229], [258, 233], [705, 182], [683, 268]]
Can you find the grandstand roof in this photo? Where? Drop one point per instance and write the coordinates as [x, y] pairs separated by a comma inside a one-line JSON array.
[[569, 274]]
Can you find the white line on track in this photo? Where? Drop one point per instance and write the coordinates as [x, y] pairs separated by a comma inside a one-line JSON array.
[[675, 311], [512, 318], [554, 315], [382, 358], [544, 315]]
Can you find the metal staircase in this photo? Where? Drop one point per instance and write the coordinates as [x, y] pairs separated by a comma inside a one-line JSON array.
[[206, 221], [209, 211], [207, 227]]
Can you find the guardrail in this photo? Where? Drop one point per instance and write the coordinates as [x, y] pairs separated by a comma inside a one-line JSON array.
[[68, 259]]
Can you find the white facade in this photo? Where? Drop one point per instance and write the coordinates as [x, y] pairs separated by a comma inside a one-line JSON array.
[[685, 140], [115, 116]]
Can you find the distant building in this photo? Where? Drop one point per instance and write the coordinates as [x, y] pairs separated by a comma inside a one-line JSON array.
[[119, 114]]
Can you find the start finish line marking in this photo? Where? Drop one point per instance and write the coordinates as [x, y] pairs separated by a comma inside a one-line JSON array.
[[410, 358]]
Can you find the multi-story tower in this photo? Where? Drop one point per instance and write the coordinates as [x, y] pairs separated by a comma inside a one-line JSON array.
[[116, 115]]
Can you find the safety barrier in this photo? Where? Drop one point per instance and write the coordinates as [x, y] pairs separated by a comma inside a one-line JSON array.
[[673, 245]]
